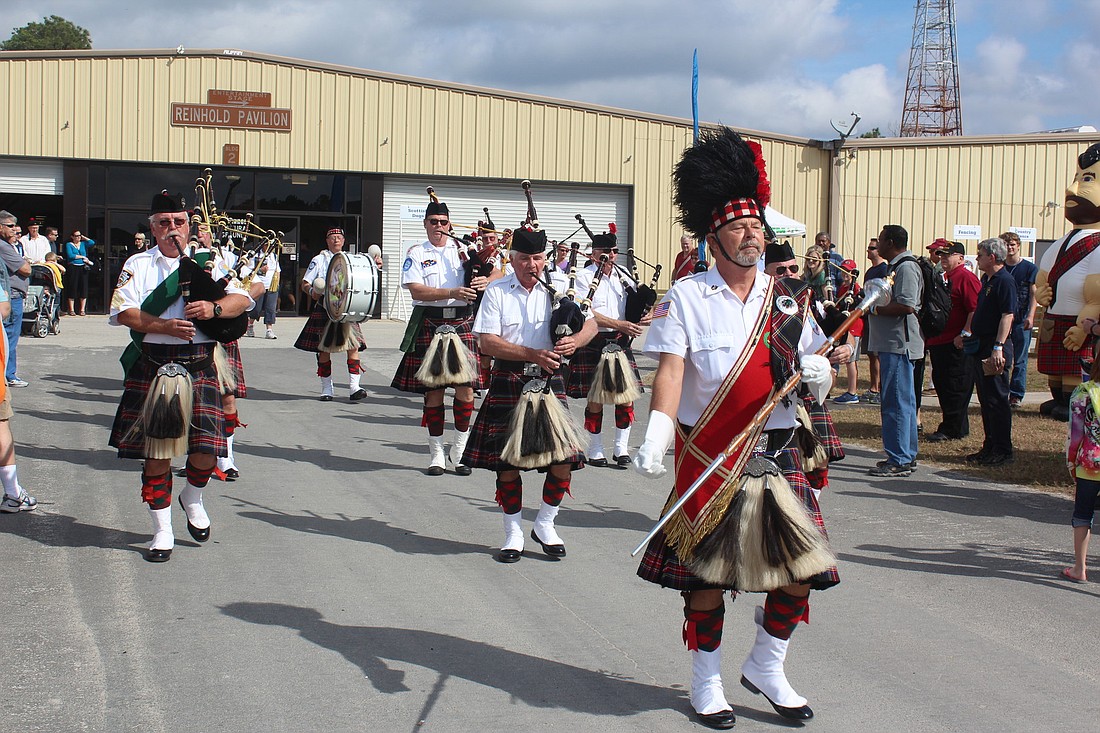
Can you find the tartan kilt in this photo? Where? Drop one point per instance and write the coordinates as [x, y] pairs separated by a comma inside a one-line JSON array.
[[404, 379], [233, 356], [822, 421], [489, 432], [660, 564], [583, 363], [310, 337], [1053, 359], [207, 433]]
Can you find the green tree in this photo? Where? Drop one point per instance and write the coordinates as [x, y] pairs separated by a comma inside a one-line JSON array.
[[53, 33], [873, 133]]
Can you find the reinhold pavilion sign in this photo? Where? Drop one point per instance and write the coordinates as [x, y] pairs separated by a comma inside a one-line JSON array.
[[233, 110]]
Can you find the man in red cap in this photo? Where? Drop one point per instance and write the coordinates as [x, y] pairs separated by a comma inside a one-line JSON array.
[[950, 372]]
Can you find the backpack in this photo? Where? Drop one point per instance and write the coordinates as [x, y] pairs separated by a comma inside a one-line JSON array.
[[935, 300]]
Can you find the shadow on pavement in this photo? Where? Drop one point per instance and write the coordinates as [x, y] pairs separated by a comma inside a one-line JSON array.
[[537, 682], [59, 530], [1021, 564]]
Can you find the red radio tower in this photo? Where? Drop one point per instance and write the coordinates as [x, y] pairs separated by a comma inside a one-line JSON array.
[[932, 105]]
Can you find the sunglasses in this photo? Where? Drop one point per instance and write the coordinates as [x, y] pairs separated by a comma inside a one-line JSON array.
[[438, 222], [170, 222], [784, 269]]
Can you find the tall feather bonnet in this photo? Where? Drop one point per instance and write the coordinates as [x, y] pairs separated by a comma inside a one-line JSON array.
[[718, 180]]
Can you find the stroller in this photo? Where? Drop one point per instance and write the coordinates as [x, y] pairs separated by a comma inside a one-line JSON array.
[[42, 306]]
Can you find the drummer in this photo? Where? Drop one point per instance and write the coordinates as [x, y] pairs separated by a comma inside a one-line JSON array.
[[435, 278], [310, 339]]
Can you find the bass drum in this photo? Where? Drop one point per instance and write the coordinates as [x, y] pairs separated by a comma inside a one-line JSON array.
[[351, 287]]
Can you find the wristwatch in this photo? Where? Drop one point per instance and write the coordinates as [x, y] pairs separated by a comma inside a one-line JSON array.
[[217, 311], [998, 345]]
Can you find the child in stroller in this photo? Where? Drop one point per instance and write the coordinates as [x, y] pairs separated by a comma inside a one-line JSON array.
[[42, 306]]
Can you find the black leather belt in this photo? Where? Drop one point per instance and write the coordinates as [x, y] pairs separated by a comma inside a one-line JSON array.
[[449, 312], [525, 368], [194, 364]]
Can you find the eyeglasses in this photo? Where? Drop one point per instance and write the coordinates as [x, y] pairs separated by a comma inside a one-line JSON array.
[[438, 222], [784, 269], [169, 222], [8, 224]]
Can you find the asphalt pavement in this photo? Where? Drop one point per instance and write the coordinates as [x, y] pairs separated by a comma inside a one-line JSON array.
[[343, 589]]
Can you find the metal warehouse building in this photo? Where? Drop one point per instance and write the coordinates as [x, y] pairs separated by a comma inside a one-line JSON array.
[[88, 136]]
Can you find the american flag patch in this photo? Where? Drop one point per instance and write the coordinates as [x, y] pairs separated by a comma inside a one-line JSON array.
[[661, 310]]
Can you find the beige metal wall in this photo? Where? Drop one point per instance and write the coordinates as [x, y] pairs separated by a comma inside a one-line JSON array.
[[112, 107], [930, 186]]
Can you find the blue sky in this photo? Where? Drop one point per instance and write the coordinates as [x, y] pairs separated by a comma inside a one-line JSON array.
[[788, 66]]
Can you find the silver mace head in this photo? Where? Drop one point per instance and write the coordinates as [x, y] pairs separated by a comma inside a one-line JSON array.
[[877, 292]]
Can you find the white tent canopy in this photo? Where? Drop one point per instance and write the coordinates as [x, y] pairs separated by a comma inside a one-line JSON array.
[[784, 226]]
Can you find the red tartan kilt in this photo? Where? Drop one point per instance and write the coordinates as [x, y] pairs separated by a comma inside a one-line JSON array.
[[660, 564], [310, 337], [583, 363], [489, 432], [207, 418], [822, 421], [404, 378], [1053, 358], [233, 356]]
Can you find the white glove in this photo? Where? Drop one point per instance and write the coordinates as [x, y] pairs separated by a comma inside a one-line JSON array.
[[648, 461], [817, 373]]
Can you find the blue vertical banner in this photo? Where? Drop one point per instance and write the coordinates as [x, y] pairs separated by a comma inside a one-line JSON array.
[[695, 124]]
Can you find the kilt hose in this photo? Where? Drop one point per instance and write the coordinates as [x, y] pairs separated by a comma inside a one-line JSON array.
[[1053, 359], [310, 337], [233, 356], [660, 564], [404, 379], [489, 432], [207, 433], [583, 363]]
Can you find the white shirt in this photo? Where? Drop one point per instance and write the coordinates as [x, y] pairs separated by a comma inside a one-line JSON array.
[[517, 315], [709, 326], [318, 267], [610, 297], [1071, 285], [436, 267], [272, 264], [141, 274], [35, 250]]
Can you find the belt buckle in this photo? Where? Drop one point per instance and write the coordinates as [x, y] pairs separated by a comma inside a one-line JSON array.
[[450, 312], [761, 445], [532, 370]]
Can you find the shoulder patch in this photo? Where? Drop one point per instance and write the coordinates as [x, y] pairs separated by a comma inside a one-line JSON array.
[[123, 278], [408, 264], [661, 310]]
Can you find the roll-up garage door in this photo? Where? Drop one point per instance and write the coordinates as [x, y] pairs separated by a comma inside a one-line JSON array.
[[32, 176], [556, 204]]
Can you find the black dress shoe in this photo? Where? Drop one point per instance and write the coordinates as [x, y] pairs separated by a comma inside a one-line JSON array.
[[997, 459], [199, 535], [358, 394], [722, 720], [232, 474], [622, 462], [158, 555], [326, 398], [597, 462], [977, 457], [938, 437], [551, 550], [463, 470], [802, 713], [435, 470], [509, 555]]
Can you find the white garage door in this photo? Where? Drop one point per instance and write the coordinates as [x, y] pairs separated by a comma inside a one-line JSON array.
[[32, 176], [557, 206]]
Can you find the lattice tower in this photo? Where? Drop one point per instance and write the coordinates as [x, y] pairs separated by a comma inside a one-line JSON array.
[[932, 103]]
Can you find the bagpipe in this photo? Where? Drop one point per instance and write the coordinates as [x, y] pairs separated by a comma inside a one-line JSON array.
[[541, 432], [765, 539]]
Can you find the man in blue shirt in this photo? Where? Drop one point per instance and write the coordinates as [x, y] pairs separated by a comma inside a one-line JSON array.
[[1023, 272]]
